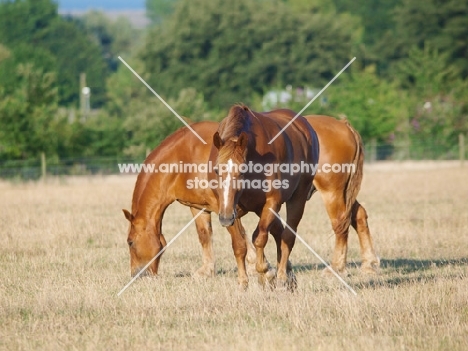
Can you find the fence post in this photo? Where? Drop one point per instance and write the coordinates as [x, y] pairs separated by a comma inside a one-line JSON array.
[[82, 96], [43, 166], [373, 151], [461, 144]]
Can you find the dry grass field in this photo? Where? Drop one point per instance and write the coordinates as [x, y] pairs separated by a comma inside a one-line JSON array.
[[64, 258]]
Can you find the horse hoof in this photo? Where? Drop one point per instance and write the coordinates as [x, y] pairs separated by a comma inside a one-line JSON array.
[[243, 285], [281, 286], [291, 282], [204, 272], [251, 270], [370, 269], [327, 272], [271, 274], [268, 279]]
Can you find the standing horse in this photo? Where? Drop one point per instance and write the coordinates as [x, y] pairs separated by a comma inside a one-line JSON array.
[[242, 138]]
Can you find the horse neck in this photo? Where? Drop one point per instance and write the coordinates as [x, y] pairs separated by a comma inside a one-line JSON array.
[[146, 197]]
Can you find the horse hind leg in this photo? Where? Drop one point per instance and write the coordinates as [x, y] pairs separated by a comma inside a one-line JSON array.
[[336, 210], [205, 236], [370, 261]]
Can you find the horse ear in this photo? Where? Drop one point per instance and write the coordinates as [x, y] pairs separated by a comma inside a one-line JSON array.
[[243, 140], [128, 215], [217, 141]]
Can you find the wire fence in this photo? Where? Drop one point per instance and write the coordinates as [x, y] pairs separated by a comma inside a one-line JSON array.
[[415, 150], [36, 168]]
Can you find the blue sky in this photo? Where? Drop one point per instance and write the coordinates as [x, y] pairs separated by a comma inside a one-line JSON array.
[[101, 4]]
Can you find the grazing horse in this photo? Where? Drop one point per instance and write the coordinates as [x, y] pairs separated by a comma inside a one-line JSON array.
[[155, 191], [243, 137]]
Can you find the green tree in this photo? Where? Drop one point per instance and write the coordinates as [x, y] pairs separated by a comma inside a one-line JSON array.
[[123, 87], [376, 16], [231, 50], [438, 109], [115, 37], [4, 53], [99, 136], [76, 53], [24, 54], [426, 72], [149, 121], [443, 24], [312, 6], [23, 21], [27, 115], [374, 107], [34, 33]]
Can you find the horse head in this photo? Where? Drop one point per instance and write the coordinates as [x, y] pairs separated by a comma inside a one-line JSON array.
[[230, 168], [143, 245]]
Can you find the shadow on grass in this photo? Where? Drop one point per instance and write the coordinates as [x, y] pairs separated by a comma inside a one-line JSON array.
[[390, 282], [400, 271], [406, 265], [403, 265], [219, 272]]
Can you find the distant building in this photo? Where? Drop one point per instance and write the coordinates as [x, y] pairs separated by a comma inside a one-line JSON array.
[[281, 98]]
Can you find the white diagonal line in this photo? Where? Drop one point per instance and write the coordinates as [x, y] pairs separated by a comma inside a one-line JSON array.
[[162, 100], [311, 101], [313, 251], [160, 252]]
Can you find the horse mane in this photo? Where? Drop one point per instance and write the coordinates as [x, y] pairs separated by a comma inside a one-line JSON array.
[[237, 121]]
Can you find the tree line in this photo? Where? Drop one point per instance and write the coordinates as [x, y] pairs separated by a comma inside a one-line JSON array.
[[407, 85]]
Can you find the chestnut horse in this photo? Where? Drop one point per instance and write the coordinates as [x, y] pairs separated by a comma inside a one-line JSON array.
[[341, 144], [243, 137], [155, 191]]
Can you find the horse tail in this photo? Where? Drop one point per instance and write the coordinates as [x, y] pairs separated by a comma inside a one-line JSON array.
[[355, 176]]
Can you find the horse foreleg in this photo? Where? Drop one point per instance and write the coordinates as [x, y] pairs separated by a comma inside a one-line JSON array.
[[251, 257], [276, 230], [260, 239], [370, 261], [239, 247], [160, 239], [205, 236]]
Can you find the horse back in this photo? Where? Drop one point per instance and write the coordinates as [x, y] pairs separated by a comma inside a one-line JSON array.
[[299, 128], [338, 143]]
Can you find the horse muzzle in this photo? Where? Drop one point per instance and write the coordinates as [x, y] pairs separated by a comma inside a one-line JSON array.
[[227, 221], [146, 273]]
